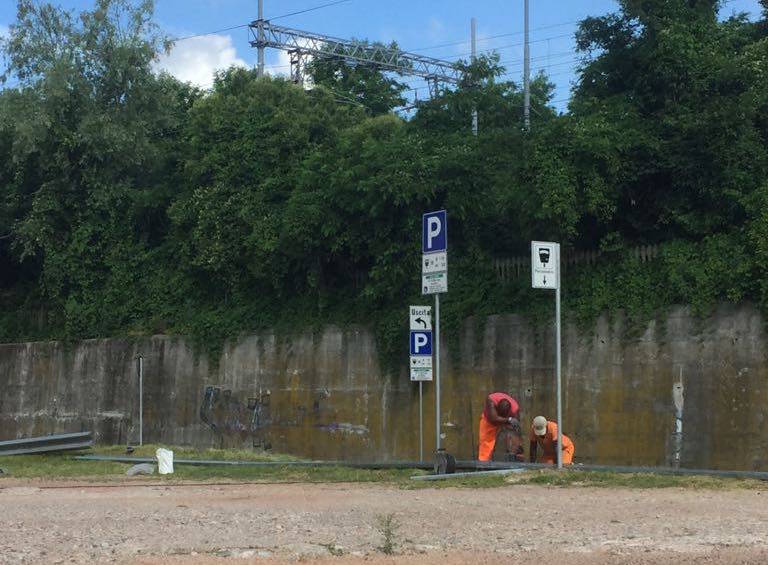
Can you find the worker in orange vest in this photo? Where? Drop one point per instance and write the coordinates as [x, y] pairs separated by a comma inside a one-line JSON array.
[[500, 413], [544, 435]]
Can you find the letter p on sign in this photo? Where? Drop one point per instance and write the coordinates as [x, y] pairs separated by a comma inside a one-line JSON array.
[[421, 343], [434, 232]]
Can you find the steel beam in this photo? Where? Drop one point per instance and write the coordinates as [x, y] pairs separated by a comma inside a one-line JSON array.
[[266, 34], [46, 444]]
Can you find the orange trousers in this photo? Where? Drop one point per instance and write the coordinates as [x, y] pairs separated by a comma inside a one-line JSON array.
[[568, 450], [488, 434]]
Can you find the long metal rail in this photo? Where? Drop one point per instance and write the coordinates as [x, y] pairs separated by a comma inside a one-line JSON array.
[[46, 444]]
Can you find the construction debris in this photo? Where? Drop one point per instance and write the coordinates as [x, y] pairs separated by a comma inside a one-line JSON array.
[[164, 461], [46, 444], [141, 469]]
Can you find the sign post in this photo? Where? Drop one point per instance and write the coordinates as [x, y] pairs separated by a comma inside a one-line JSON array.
[[545, 273], [421, 358], [434, 280]]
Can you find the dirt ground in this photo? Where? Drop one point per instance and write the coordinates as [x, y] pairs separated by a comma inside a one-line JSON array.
[[340, 524]]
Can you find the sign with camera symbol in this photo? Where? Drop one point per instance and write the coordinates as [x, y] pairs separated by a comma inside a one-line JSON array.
[[545, 264]]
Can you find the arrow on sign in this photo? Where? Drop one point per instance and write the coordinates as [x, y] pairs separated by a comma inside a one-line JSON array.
[[545, 279], [421, 321]]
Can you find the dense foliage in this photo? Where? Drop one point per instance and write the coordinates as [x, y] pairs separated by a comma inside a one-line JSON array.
[[132, 203]]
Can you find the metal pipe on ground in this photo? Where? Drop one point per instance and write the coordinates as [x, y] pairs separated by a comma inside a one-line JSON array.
[[475, 466], [758, 475], [470, 474], [210, 462]]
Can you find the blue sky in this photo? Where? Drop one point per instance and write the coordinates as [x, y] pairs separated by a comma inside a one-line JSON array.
[[416, 25]]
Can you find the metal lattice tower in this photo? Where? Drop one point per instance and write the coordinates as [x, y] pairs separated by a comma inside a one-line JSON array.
[[299, 44]]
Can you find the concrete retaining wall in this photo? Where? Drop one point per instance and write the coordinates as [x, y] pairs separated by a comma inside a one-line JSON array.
[[687, 390]]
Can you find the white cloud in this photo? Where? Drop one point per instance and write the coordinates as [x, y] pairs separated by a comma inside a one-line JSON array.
[[196, 59], [281, 67]]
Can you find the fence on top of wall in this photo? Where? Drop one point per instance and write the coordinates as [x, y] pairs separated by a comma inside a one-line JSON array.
[[509, 269]]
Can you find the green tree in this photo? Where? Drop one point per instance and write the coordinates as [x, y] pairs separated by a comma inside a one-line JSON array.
[[499, 102], [92, 146], [247, 141], [677, 84], [374, 87]]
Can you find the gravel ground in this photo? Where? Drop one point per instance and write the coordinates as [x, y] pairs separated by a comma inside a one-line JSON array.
[[269, 523]]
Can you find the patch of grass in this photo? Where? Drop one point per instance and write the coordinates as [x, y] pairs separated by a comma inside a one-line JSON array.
[[293, 474], [388, 527], [64, 466], [57, 467], [333, 549], [194, 453], [567, 478]]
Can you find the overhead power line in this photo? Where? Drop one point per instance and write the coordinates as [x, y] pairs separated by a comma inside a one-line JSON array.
[[489, 37], [246, 25], [510, 45], [329, 4], [209, 33]]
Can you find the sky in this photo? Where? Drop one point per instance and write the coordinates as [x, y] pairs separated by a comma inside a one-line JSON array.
[[437, 28]]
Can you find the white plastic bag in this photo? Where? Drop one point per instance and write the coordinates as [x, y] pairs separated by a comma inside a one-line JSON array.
[[164, 461]]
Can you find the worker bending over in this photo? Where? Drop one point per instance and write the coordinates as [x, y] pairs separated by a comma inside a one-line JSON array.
[[544, 435], [500, 413]]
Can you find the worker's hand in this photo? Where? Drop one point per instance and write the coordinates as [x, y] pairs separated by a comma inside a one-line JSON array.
[[514, 425]]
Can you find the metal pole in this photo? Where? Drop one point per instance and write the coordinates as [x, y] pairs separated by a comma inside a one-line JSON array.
[[558, 367], [437, 371], [261, 38], [474, 58], [527, 74], [141, 400], [421, 421]]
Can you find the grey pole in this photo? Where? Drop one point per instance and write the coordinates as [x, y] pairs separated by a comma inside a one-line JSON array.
[[141, 400], [474, 58], [558, 366], [527, 74], [261, 38], [437, 371], [421, 421]]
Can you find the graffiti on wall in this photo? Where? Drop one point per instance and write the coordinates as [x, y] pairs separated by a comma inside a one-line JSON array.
[[232, 420]]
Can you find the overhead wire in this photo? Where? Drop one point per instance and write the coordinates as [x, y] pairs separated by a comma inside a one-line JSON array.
[[489, 37], [270, 19], [209, 33], [410, 88], [329, 4]]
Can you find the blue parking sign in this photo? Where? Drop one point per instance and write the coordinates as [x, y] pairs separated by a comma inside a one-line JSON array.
[[421, 343], [434, 232]]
